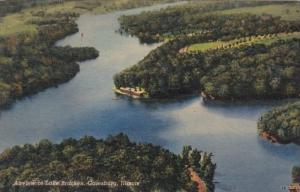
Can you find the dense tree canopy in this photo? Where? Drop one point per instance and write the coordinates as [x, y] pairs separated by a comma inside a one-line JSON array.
[[31, 62], [191, 18], [244, 71], [255, 71], [282, 122], [113, 159]]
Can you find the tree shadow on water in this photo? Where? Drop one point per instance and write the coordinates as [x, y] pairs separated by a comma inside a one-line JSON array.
[[154, 104], [139, 123], [290, 152], [242, 109]]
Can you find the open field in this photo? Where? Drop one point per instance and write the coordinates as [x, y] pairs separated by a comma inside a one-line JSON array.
[[205, 46], [20, 22], [287, 12], [16, 23], [243, 41]]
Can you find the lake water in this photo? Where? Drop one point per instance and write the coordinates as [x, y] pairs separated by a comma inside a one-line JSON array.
[[87, 105]]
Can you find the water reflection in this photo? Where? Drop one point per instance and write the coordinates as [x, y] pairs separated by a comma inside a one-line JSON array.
[[87, 106], [288, 152]]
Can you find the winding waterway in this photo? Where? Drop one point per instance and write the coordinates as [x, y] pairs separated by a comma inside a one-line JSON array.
[[86, 105]]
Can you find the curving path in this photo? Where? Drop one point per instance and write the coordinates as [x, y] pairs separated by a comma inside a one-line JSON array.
[[195, 177]]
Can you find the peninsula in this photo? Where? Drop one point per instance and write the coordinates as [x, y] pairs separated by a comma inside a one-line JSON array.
[[115, 160], [29, 60], [227, 52]]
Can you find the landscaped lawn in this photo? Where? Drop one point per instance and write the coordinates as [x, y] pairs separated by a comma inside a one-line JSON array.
[[204, 46], [215, 44]]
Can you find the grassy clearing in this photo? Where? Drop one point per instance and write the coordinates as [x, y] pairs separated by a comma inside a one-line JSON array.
[[243, 41], [20, 22], [16, 23], [205, 46], [289, 11]]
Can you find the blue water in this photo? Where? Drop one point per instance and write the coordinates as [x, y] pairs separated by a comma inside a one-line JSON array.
[[87, 105]]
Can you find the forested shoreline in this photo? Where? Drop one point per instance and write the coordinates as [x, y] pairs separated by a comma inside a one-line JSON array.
[[268, 69], [156, 26], [29, 60], [246, 72], [254, 71], [115, 158], [282, 123], [30, 63]]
